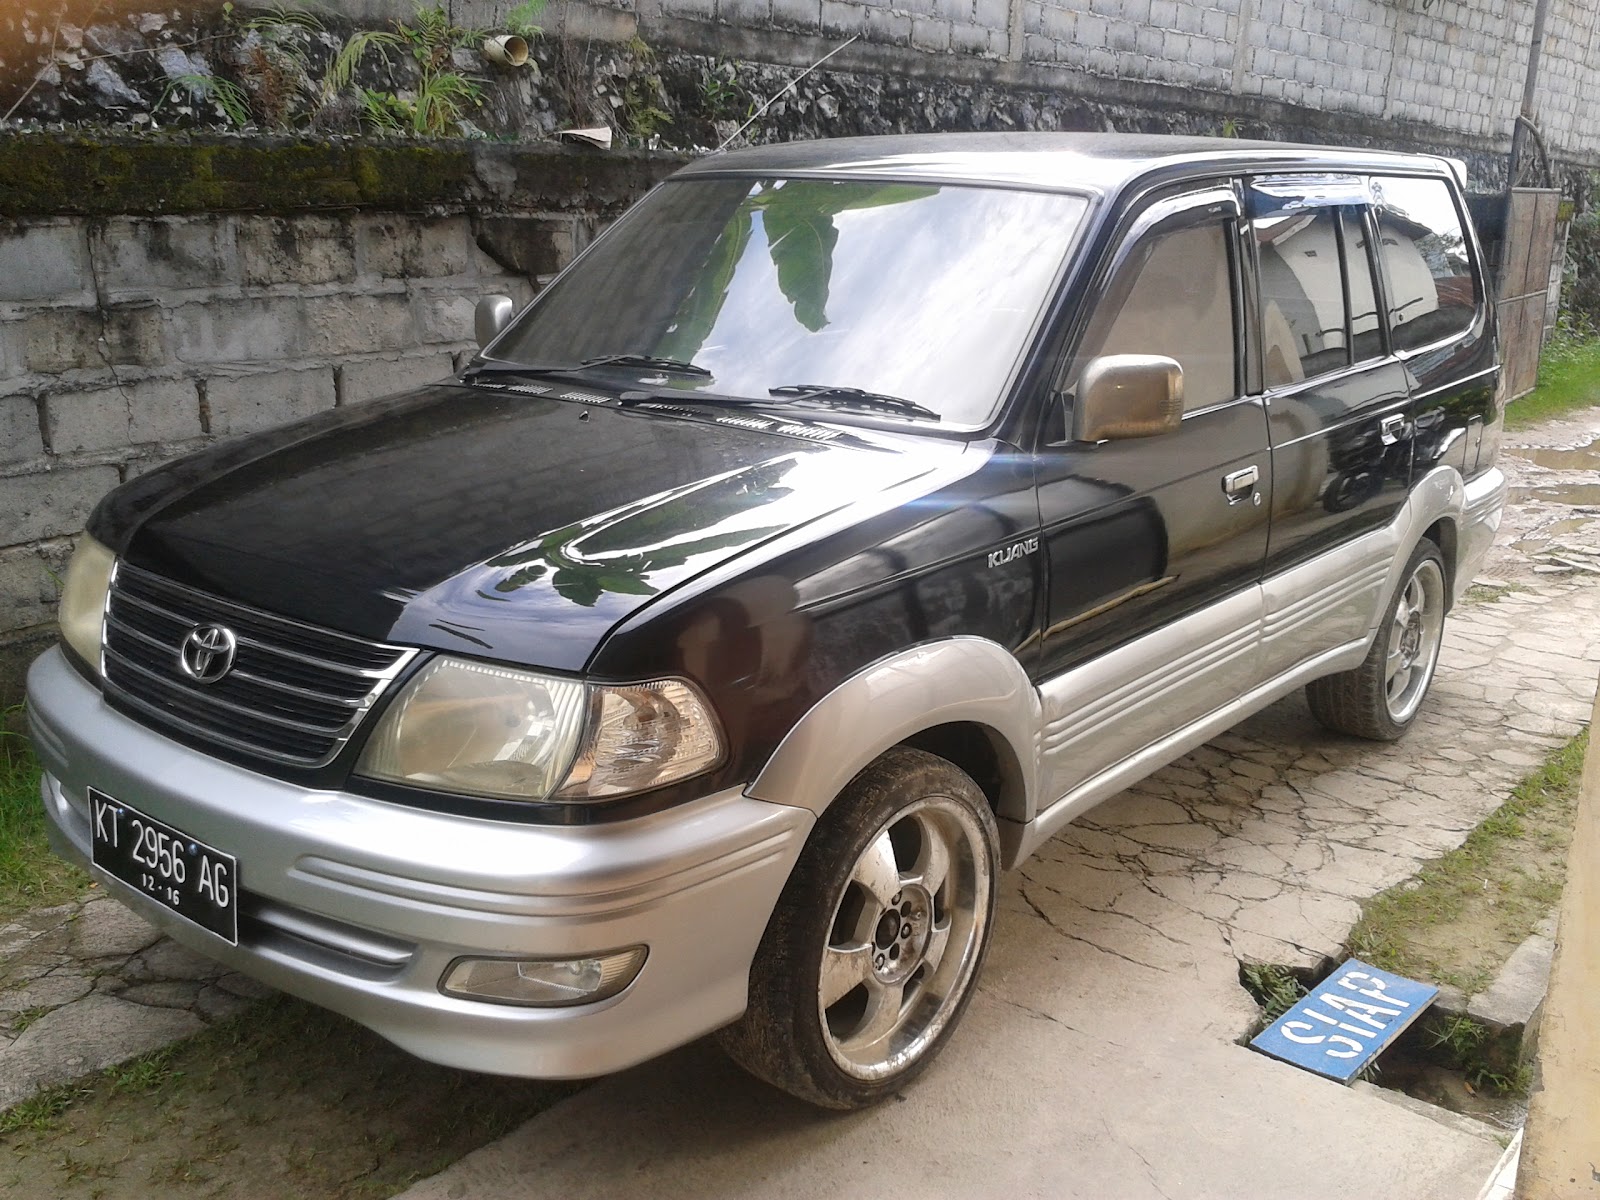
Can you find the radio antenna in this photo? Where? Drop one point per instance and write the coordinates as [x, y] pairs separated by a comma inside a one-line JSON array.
[[784, 90]]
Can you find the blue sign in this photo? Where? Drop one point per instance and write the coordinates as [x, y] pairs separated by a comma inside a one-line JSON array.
[[1346, 1020]]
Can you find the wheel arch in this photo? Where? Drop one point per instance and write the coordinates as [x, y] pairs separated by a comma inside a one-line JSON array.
[[1443, 534], [965, 699]]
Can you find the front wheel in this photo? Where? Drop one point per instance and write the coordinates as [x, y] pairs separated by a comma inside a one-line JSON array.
[[875, 945], [1380, 698]]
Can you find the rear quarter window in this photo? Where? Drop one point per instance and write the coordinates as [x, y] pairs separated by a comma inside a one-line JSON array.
[[1433, 290]]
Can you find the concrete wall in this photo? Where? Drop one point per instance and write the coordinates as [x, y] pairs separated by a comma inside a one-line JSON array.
[[127, 340]]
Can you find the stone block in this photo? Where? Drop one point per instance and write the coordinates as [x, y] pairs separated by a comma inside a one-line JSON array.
[[339, 325], [1058, 23], [1164, 14], [745, 12], [890, 28], [842, 19], [303, 250], [369, 379], [702, 10], [141, 254], [1091, 30], [527, 246], [928, 33], [969, 39], [51, 503], [400, 247], [249, 403], [65, 339], [44, 262], [163, 410], [262, 329], [19, 429], [95, 420], [85, 1037], [445, 317], [804, 15], [1150, 41], [28, 591], [992, 14], [108, 929]]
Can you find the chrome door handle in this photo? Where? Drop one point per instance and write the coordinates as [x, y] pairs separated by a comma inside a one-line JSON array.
[[1391, 429], [1239, 484]]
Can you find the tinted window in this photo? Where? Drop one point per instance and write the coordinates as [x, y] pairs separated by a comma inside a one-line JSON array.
[[1302, 293], [1365, 332], [1179, 302], [921, 291], [1433, 293]]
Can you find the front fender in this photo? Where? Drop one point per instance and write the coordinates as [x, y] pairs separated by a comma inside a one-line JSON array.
[[960, 679]]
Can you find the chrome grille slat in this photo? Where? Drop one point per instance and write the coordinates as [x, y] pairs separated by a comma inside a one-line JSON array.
[[282, 701]]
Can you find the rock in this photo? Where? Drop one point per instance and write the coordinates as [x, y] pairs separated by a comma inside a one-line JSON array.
[[106, 929], [176, 63], [109, 88], [85, 1037], [151, 23]]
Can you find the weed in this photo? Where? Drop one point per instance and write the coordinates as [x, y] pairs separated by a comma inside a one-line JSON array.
[[229, 97], [1460, 1034], [145, 1073], [1275, 988], [30, 874], [1569, 378], [28, 1016], [40, 1112], [1481, 593], [1456, 921], [520, 20]]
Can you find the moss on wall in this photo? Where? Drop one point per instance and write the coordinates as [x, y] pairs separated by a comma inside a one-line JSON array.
[[44, 174]]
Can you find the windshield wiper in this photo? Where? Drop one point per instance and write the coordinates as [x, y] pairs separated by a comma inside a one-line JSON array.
[[527, 370], [849, 397], [647, 360]]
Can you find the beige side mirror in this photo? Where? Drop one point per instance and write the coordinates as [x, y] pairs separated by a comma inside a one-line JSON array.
[[1127, 396], [491, 316]]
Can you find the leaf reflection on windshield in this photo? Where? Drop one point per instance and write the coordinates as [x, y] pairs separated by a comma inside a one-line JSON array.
[[801, 235]]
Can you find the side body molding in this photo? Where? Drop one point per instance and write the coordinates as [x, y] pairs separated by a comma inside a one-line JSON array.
[[936, 683]]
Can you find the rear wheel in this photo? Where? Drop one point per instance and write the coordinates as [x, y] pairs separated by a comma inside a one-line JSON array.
[[1380, 698], [874, 948]]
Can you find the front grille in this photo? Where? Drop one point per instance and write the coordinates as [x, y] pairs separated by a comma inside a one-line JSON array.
[[295, 693]]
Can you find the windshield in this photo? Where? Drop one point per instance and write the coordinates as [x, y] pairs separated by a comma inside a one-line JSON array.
[[923, 292]]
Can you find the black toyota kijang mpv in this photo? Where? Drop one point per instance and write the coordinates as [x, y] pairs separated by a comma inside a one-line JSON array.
[[836, 528]]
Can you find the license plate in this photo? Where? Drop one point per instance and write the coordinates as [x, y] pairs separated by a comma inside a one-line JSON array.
[[189, 877]]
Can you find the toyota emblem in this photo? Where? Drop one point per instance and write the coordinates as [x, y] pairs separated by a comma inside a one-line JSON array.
[[206, 654]]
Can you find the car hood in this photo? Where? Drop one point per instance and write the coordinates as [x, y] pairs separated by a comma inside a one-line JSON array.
[[491, 522]]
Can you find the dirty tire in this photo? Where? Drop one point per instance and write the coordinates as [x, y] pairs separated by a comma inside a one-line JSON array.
[[1360, 702], [876, 944]]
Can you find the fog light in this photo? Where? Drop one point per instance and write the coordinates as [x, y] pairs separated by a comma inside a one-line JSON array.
[[543, 983]]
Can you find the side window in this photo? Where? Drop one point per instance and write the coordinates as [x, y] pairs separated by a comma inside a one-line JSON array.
[[1366, 334], [1433, 293], [1302, 294], [1177, 300]]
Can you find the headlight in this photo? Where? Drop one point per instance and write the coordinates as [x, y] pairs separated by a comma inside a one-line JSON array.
[[486, 730], [83, 599]]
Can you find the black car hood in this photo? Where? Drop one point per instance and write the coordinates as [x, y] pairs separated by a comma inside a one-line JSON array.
[[491, 522]]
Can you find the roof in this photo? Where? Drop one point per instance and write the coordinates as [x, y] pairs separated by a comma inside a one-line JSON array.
[[1047, 160]]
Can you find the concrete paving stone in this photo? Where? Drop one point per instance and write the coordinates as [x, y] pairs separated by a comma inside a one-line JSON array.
[[168, 960], [171, 993], [1519, 986], [107, 929], [47, 991], [215, 1004], [79, 1039], [244, 987]]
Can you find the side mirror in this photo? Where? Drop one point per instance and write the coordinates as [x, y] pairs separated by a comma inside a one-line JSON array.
[[1127, 396], [491, 316]]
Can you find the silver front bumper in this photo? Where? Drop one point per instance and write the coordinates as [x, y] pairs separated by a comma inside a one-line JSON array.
[[361, 905]]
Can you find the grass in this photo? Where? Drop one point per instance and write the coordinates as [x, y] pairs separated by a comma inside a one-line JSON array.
[[1569, 378], [1465, 911], [1480, 593], [283, 1101], [31, 876]]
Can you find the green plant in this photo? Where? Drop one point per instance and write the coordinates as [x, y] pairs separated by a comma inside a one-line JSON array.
[[145, 1073], [30, 875], [40, 1112], [520, 20], [27, 1017], [1274, 988], [1460, 1034], [228, 96]]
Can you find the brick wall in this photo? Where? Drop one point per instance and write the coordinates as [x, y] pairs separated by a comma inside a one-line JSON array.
[[127, 340]]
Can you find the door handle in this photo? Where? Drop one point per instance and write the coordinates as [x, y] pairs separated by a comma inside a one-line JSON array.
[[1239, 484], [1391, 429]]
